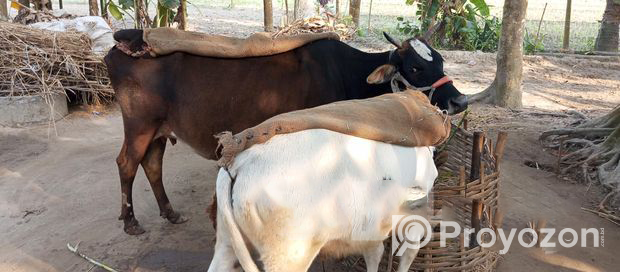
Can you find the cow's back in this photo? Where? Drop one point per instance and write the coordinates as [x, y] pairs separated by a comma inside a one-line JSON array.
[[197, 97]]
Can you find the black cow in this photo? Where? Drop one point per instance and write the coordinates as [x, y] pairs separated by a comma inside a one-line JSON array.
[[193, 97]]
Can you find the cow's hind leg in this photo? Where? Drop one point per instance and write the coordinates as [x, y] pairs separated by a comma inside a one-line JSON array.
[[152, 165], [133, 150], [224, 258]]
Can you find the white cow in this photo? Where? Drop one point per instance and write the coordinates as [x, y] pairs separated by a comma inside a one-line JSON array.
[[315, 191]]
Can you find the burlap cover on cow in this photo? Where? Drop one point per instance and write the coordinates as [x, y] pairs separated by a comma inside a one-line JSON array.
[[162, 41], [406, 119]]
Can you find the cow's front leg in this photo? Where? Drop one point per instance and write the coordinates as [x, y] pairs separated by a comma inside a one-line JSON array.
[[372, 257], [152, 164], [408, 256]]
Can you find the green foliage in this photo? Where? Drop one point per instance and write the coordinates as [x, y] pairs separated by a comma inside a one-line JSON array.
[[166, 10], [408, 28], [170, 4], [126, 4], [483, 35], [460, 24], [165, 14], [532, 44], [115, 10]]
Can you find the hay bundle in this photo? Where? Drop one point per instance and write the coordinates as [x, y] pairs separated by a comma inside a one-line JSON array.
[[28, 16], [41, 62], [316, 25]]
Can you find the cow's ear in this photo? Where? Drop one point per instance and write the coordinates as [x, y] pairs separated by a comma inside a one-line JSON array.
[[382, 74]]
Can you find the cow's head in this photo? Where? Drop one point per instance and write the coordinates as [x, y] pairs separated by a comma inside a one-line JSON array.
[[415, 63]]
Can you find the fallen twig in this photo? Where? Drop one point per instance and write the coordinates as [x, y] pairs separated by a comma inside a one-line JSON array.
[[611, 218], [96, 263]]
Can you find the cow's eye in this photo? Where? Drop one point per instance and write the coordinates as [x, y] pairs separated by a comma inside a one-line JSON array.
[[414, 70]]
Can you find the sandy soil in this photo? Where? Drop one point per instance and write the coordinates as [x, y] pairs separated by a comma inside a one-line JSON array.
[[61, 186]]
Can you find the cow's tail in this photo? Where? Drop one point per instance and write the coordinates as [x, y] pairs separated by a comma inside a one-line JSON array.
[[224, 204]]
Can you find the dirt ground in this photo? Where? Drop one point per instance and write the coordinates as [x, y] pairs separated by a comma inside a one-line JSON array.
[[60, 186]]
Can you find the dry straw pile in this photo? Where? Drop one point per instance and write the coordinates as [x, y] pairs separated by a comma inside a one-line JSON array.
[[41, 62], [316, 25], [27, 16]]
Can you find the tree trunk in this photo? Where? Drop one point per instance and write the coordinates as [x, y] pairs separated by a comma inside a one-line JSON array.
[[303, 9], [138, 7], [268, 15], [4, 12], [93, 9], [505, 91], [337, 8], [42, 4], [607, 39], [369, 14], [354, 11], [182, 15]]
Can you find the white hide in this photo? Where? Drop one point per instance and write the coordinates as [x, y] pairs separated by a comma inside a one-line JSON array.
[[316, 189], [422, 49]]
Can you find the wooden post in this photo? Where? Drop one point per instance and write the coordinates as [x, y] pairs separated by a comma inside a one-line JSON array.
[[476, 205], [540, 24], [369, 15], [286, 20], [4, 12], [60, 4], [476, 154], [476, 216], [565, 44], [498, 153]]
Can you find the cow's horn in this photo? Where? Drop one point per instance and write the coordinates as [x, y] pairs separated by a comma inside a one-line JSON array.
[[395, 42]]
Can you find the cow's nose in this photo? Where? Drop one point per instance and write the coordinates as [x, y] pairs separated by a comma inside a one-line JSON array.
[[458, 104]]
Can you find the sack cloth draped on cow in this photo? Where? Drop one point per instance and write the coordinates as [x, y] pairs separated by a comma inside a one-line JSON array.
[[163, 41], [406, 119]]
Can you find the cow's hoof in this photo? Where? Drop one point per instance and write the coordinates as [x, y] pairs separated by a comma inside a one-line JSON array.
[[176, 218], [132, 227]]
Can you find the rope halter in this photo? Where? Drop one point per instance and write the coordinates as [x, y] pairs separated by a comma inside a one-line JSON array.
[[399, 78]]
